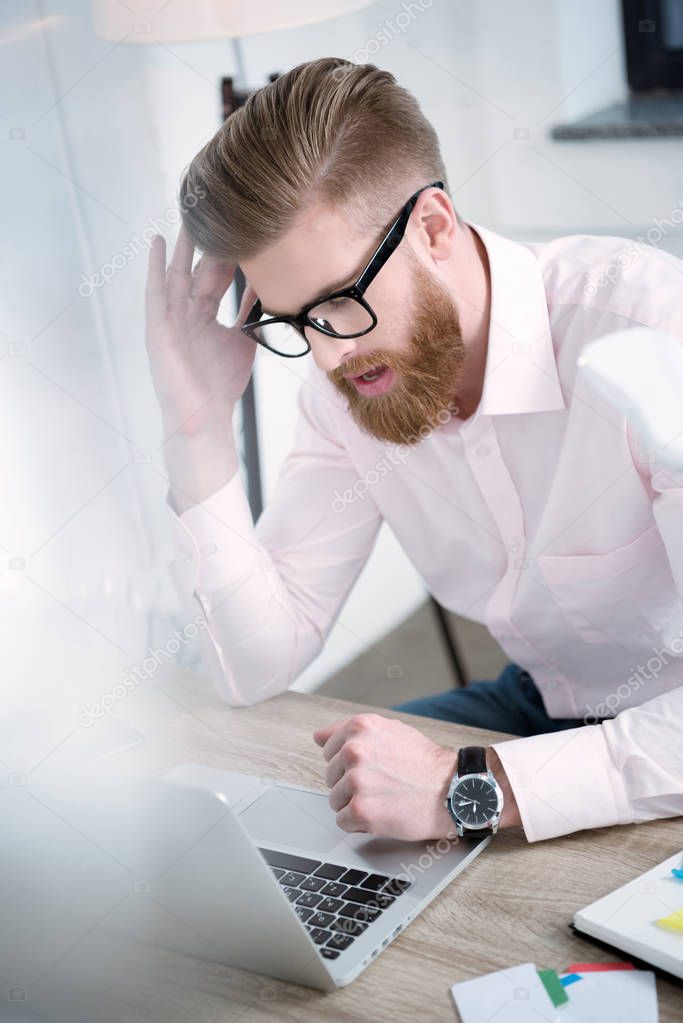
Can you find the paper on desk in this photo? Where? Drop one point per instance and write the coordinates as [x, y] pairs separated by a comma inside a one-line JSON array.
[[613, 996], [515, 995]]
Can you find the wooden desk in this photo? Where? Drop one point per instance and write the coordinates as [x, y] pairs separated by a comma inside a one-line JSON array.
[[514, 903]]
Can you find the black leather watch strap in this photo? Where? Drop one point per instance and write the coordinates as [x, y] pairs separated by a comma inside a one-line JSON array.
[[472, 760]]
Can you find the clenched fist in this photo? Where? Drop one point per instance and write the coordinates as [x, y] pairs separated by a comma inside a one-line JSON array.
[[386, 778]]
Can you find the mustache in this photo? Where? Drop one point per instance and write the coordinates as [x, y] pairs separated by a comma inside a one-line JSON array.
[[359, 364]]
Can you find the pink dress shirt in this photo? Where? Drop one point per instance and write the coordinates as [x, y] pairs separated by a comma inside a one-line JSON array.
[[541, 516]]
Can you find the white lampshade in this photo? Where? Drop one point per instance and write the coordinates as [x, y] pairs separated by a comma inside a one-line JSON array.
[[185, 21]]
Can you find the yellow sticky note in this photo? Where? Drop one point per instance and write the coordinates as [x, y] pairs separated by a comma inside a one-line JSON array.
[[672, 922]]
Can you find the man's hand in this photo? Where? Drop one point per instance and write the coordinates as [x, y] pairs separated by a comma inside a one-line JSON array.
[[388, 779], [200, 367]]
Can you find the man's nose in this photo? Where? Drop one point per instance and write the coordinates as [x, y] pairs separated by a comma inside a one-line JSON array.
[[331, 352]]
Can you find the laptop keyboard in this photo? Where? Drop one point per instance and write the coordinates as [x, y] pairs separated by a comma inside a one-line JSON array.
[[335, 903]]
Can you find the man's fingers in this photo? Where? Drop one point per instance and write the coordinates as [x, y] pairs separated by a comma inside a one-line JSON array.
[[179, 276], [335, 769], [321, 735], [211, 278], [332, 737], [248, 299], [349, 820], [155, 288], [341, 793]]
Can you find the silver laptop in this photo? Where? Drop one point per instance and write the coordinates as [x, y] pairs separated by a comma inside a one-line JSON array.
[[227, 867], [311, 903]]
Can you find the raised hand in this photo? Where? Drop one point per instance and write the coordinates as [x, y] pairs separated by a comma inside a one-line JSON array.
[[200, 367]]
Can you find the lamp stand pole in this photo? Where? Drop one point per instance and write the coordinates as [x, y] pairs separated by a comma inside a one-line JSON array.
[[233, 97]]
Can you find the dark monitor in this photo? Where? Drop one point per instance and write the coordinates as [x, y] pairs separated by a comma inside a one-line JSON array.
[[653, 33]]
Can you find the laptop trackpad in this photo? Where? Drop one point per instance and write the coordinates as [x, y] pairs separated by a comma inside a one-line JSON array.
[[293, 817]]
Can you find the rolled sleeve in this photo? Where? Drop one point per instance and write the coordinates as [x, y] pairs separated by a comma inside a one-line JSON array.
[[564, 781]]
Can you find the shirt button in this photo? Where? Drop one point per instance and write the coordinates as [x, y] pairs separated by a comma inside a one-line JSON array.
[[209, 548], [514, 545], [482, 450]]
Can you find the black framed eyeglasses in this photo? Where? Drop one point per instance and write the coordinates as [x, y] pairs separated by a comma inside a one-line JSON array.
[[342, 314]]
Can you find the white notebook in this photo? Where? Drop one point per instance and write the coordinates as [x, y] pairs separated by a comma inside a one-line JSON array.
[[626, 917]]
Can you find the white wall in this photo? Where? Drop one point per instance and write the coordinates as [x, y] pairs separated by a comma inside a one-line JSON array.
[[93, 139], [543, 63]]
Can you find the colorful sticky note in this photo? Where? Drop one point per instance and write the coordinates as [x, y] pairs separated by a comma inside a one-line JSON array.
[[553, 985], [570, 978], [672, 922], [591, 967], [677, 873]]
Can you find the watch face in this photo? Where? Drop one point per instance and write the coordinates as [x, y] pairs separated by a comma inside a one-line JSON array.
[[474, 802]]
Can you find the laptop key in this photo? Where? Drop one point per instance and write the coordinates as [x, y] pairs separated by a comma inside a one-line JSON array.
[[312, 884], [292, 893], [302, 912], [331, 871], [364, 914], [308, 899], [366, 897], [321, 919], [353, 877], [292, 879], [374, 881], [318, 935], [278, 871], [289, 862], [340, 941], [330, 905], [344, 925], [329, 953], [397, 886], [334, 888]]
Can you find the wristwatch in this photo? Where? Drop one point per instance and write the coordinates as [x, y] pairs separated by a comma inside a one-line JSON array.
[[475, 799]]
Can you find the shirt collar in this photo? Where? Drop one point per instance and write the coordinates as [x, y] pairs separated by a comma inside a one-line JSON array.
[[521, 371]]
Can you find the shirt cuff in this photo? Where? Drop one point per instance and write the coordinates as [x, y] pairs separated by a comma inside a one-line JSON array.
[[564, 781], [215, 541]]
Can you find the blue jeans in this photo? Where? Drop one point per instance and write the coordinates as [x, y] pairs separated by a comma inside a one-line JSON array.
[[511, 703]]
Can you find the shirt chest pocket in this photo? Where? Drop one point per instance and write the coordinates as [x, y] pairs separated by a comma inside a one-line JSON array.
[[625, 595]]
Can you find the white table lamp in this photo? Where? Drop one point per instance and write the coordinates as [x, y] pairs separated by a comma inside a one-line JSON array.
[[184, 21]]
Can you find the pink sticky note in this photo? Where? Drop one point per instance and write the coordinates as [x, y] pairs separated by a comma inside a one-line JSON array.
[[593, 967]]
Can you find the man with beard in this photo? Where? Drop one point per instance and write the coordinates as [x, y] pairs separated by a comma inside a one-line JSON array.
[[443, 398]]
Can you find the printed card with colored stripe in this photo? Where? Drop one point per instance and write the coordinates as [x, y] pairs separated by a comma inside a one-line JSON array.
[[515, 995], [585, 993]]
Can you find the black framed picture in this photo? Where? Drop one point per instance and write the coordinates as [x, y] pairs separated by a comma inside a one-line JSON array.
[[653, 33]]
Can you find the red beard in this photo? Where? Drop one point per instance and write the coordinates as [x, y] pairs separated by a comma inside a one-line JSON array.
[[427, 377]]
